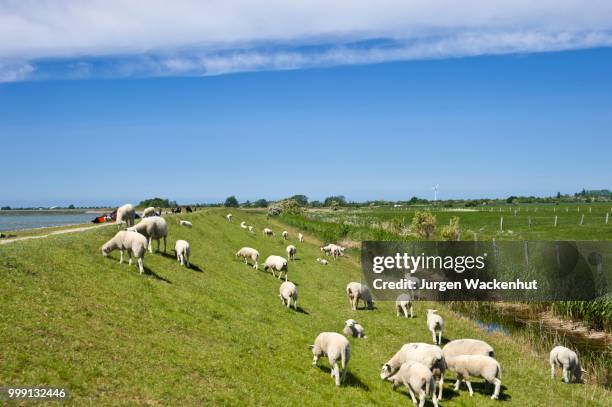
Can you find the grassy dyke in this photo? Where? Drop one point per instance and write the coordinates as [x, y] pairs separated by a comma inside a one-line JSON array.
[[217, 333]]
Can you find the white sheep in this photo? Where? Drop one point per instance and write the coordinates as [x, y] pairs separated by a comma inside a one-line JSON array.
[[285, 235], [322, 261], [435, 323], [127, 214], [333, 249], [291, 251], [185, 223], [183, 251], [418, 379], [356, 292], [153, 228], [354, 329], [243, 225], [288, 292], [467, 347], [150, 211], [251, 229], [229, 217], [337, 349], [429, 355], [276, 263], [568, 360], [133, 242], [268, 232], [403, 304], [467, 366], [249, 253], [301, 237]]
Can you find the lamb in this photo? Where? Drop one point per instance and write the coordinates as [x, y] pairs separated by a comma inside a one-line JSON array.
[[568, 360], [467, 347], [127, 214], [291, 251], [337, 348], [322, 261], [402, 304], [276, 263], [354, 329], [285, 235], [333, 249], [133, 242], [288, 292], [185, 223], [150, 211], [357, 291], [435, 323], [152, 228], [429, 355], [249, 253], [301, 237], [229, 217], [467, 366], [183, 251], [243, 225], [251, 229], [418, 379], [268, 232]]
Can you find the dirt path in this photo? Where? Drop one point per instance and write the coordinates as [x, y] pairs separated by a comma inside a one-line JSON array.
[[56, 232]]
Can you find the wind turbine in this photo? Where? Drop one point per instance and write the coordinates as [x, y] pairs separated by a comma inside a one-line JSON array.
[[435, 189]]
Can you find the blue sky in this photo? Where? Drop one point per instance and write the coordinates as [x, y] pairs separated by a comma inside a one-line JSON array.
[[487, 112]]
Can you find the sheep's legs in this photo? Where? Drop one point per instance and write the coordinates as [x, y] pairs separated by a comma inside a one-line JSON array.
[[140, 265], [295, 305], [552, 370], [433, 335], [414, 400], [566, 375], [411, 312], [497, 383], [121, 258], [469, 385], [440, 338], [457, 384], [150, 245], [256, 266], [421, 398], [441, 382]]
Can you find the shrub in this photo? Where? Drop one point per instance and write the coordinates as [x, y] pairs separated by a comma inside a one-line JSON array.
[[424, 224], [451, 231]]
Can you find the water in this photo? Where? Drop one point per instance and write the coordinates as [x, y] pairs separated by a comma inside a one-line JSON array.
[[16, 220]]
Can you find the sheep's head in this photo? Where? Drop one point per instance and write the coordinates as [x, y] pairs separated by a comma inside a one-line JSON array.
[[432, 311], [106, 249], [386, 372], [350, 322]]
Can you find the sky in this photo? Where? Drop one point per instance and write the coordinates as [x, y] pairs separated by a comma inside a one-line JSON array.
[[103, 103]]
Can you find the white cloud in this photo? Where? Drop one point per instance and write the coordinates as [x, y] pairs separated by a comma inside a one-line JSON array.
[[153, 37]]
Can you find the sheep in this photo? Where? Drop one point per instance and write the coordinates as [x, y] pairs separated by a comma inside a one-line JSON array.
[[357, 291], [467, 347], [185, 223], [333, 249], [152, 228], [285, 235], [133, 242], [249, 252], [127, 214], [568, 360], [467, 366], [291, 250], [354, 329], [402, 304], [183, 251], [429, 355], [337, 348], [251, 229], [418, 379], [288, 292], [268, 232], [301, 237], [229, 217], [243, 225], [150, 211], [435, 323], [276, 263], [322, 261]]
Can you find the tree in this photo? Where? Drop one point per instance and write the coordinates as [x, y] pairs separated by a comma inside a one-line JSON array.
[[260, 203], [231, 202], [302, 200], [424, 224], [157, 203], [6, 208], [451, 231], [339, 199], [71, 206]]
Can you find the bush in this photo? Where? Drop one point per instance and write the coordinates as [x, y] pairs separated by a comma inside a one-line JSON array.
[[451, 231], [424, 224], [231, 202]]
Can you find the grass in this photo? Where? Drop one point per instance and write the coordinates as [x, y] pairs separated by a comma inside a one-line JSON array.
[[217, 333]]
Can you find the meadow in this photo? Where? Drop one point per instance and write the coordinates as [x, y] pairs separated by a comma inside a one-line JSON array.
[[217, 333]]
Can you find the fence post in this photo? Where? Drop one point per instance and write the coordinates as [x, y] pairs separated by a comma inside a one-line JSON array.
[[607, 215], [555, 220], [501, 224], [529, 222], [582, 219]]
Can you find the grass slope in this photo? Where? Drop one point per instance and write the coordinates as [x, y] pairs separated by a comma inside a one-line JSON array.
[[217, 333]]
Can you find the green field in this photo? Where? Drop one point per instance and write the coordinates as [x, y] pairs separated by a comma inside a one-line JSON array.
[[217, 333]]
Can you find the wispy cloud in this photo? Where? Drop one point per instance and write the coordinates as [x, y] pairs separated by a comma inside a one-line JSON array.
[[113, 38]]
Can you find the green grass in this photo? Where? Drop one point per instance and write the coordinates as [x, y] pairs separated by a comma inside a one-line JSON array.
[[218, 334]]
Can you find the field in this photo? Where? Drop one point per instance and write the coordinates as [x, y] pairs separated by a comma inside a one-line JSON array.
[[217, 333]]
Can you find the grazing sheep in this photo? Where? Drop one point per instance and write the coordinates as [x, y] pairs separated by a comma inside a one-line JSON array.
[[356, 292], [251, 229], [337, 348], [435, 323], [568, 360], [268, 232], [333, 250], [127, 214], [322, 261], [354, 329], [467, 347], [133, 242], [429, 355], [301, 237], [288, 292], [183, 252], [402, 304], [418, 379], [249, 253], [467, 366], [229, 217], [153, 228], [291, 251], [243, 225], [185, 223], [285, 235], [276, 263], [150, 211]]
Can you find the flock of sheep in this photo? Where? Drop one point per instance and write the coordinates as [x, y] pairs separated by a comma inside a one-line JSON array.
[[420, 367]]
